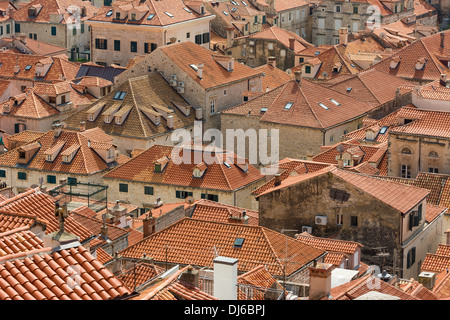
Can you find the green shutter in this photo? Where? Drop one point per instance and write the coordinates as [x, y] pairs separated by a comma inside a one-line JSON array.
[[148, 190], [177, 194], [53, 31], [51, 179], [2, 174], [72, 181], [408, 260], [22, 175]]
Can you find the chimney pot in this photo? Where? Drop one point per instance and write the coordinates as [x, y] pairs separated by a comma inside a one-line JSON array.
[[291, 43], [343, 36], [149, 226], [200, 71], [277, 180], [320, 281], [442, 39], [298, 76], [271, 61]]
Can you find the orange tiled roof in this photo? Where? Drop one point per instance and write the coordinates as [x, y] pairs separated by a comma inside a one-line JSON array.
[[176, 9], [427, 48], [217, 176], [85, 161], [373, 86], [442, 286], [312, 106], [358, 287], [192, 241], [443, 250], [19, 242], [214, 211], [103, 256], [260, 281], [291, 167], [46, 8], [48, 274], [10, 220], [35, 202], [435, 262], [331, 245], [273, 77], [184, 54], [140, 274], [33, 106], [36, 47], [335, 258]]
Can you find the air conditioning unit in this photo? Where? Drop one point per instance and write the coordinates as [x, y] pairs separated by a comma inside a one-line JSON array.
[[173, 83], [181, 84], [180, 90], [307, 229], [321, 220]]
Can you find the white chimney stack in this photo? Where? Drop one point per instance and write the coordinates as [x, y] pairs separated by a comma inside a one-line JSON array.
[[225, 278], [320, 281], [200, 71], [170, 122]]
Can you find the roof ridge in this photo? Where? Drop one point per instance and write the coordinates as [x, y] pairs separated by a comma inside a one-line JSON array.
[[309, 104], [139, 112], [263, 229], [82, 149], [365, 85]]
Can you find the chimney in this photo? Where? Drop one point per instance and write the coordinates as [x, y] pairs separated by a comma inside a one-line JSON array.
[[225, 278], [200, 70], [170, 122], [57, 128], [83, 126], [442, 39], [309, 155], [340, 163], [298, 76], [291, 43], [104, 229], [443, 80], [277, 180], [61, 239], [230, 36], [149, 225], [6, 108], [320, 281], [190, 276], [198, 114], [272, 61], [343, 36]]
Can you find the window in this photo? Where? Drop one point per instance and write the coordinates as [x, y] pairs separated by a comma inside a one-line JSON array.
[[224, 92], [433, 170], [188, 35], [411, 257], [8, 29], [331, 138], [117, 15], [74, 31], [63, 99], [82, 28], [406, 151], [433, 154], [120, 95], [72, 181], [213, 106], [206, 37], [22, 175], [321, 23], [17, 27], [238, 242], [51, 179], [307, 69], [53, 31], [123, 187], [264, 19], [339, 195], [353, 221], [146, 47], [355, 9], [339, 219], [212, 197], [133, 16], [405, 171], [288, 105], [337, 24], [355, 26], [198, 39], [2, 174], [153, 46], [338, 9], [183, 194], [101, 44], [116, 45], [301, 59], [133, 46], [148, 190]]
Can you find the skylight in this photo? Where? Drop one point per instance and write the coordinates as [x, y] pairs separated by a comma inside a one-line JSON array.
[[238, 242], [109, 13], [150, 16], [234, 2], [288, 105], [169, 14], [383, 130], [244, 3], [264, 109], [233, 9], [335, 102], [349, 89], [119, 95], [225, 13], [323, 106], [28, 67], [226, 164], [187, 10], [193, 66], [317, 52]]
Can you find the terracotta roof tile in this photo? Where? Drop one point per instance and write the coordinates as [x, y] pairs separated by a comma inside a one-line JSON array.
[[192, 241], [273, 77], [51, 280], [217, 176], [35, 202], [19, 242], [140, 274], [260, 281], [330, 245], [435, 263], [312, 107], [184, 54], [442, 286]]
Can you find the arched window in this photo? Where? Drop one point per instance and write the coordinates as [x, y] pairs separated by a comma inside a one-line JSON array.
[[406, 151], [433, 154]]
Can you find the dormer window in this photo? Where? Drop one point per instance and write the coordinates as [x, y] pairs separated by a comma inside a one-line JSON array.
[[161, 164], [420, 64], [199, 170], [133, 16], [118, 15], [370, 135]]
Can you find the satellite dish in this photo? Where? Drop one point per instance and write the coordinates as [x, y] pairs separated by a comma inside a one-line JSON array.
[[189, 200], [340, 148]]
